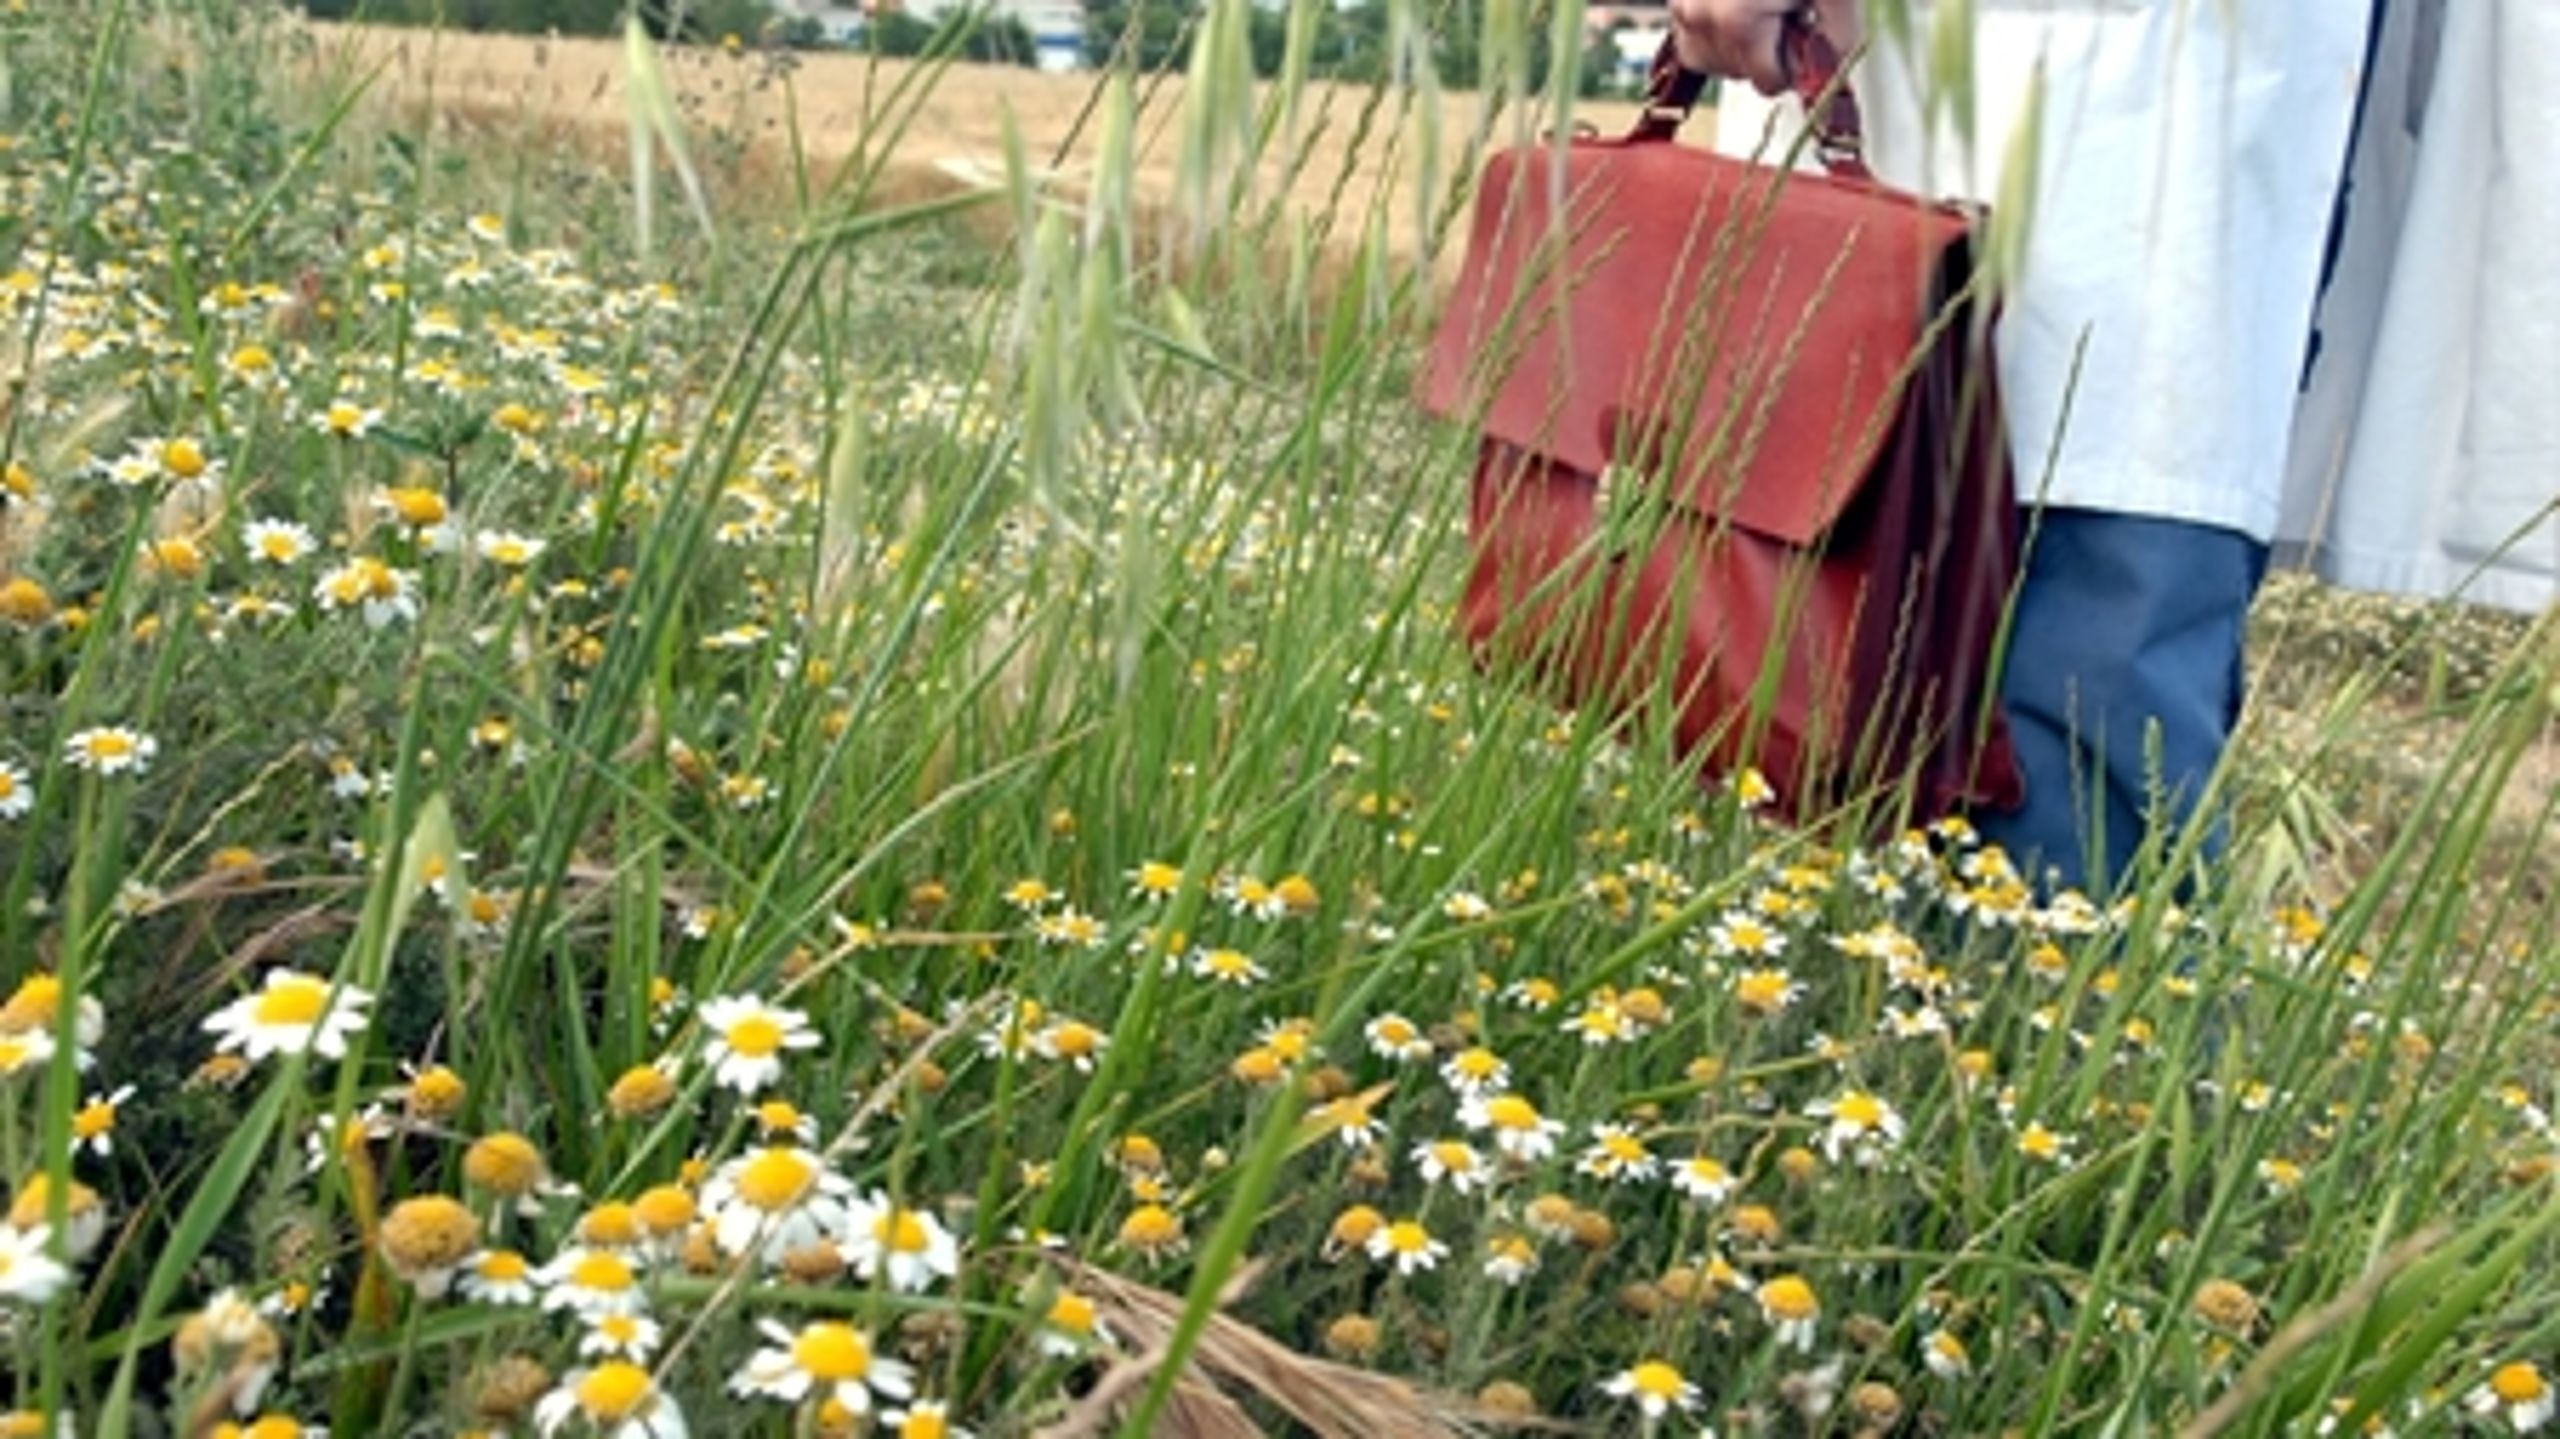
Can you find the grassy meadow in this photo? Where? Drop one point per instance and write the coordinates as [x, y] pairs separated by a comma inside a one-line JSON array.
[[634, 804]]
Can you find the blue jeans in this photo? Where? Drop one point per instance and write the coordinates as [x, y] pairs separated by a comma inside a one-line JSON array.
[[2126, 642]]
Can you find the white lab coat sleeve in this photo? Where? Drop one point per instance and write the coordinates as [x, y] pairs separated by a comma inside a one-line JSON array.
[[2427, 459]]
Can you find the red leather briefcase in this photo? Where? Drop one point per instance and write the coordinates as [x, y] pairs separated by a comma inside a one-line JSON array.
[[1741, 465]]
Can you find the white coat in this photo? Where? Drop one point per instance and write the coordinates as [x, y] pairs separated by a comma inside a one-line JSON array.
[[2423, 455]]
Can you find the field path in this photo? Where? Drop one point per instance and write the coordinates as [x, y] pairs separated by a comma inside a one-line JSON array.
[[573, 88]]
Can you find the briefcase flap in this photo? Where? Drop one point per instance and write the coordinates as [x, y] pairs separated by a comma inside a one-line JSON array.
[[1757, 325]]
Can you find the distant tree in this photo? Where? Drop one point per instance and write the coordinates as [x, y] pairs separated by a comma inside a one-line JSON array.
[[991, 39], [1157, 33]]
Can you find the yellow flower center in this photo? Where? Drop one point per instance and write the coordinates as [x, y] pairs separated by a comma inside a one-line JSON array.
[[775, 1179], [902, 1231], [1859, 1108], [1406, 1237], [503, 1266], [1622, 1147], [601, 1271], [93, 1119], [1072, 1313], [1150, 1226], [1656, 1380], [183, 459], [298, 1001], [1477, 1063], [831, 1353], [610, 1223], [1789, 1298], [2518, 1383], [757, 1036], [664, 1209], [1453, 1156], [1074, 1039], [416, 506], [110, 745], [1510, 1111], [614, 1392]]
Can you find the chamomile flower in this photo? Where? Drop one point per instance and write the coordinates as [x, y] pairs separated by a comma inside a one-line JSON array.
[[1617, 1156], [1655, 1388], [620, 1336], [293, 1013], [1704, 1180], [1862, 1124], [427, 1239], [1072, 1327], [906, 1248], [346, 420], [507, 549], [1396, 1039], [592, 1282], [1510, 1258], [1406, 1245], [2517, 1392], [1792, 1308], [1228, 966], [826, 1360], [923, 1419], [1476, 1072], [618, 1400], [93, 1124], [29, 1275], [1453, 1162], [1945, 1355], [498, 1276], [110, 750], [1518, 1129], [775, 1199], [17, 796], [379, 593], [748, 1038]]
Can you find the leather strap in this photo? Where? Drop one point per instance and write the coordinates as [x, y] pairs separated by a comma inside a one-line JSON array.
[[1815, 65]]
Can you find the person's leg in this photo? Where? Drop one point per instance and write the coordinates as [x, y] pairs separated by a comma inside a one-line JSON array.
[[2124, 622]]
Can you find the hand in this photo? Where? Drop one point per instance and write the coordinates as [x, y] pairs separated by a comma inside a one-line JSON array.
[[1740, 39]]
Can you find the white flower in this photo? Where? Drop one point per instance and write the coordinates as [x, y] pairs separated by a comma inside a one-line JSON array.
[[295, 1013], [907, 1247], [1518, 1129], [834, 1360], [371, 588], [774, 1200], [1455, 1161], [1406, 1245], [1703, 1180], [923, 1417], [748, 1037], [498, 1276], [618, 1400], [28, 1274], [1861, 1123], [110, 749], [16, 795], [620, 1336], [1656, 1388], [2517, 1390], [277, 541], [591, 1282], [1399, 1040], [1618, 1156], [507, 548]]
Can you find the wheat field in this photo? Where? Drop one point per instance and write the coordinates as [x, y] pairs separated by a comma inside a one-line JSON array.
[[745, 106]]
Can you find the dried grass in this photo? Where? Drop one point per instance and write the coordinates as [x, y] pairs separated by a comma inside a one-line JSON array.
[[1332, 1401]]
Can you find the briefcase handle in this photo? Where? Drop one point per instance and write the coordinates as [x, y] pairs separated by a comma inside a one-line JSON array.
[[1821, 81]]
